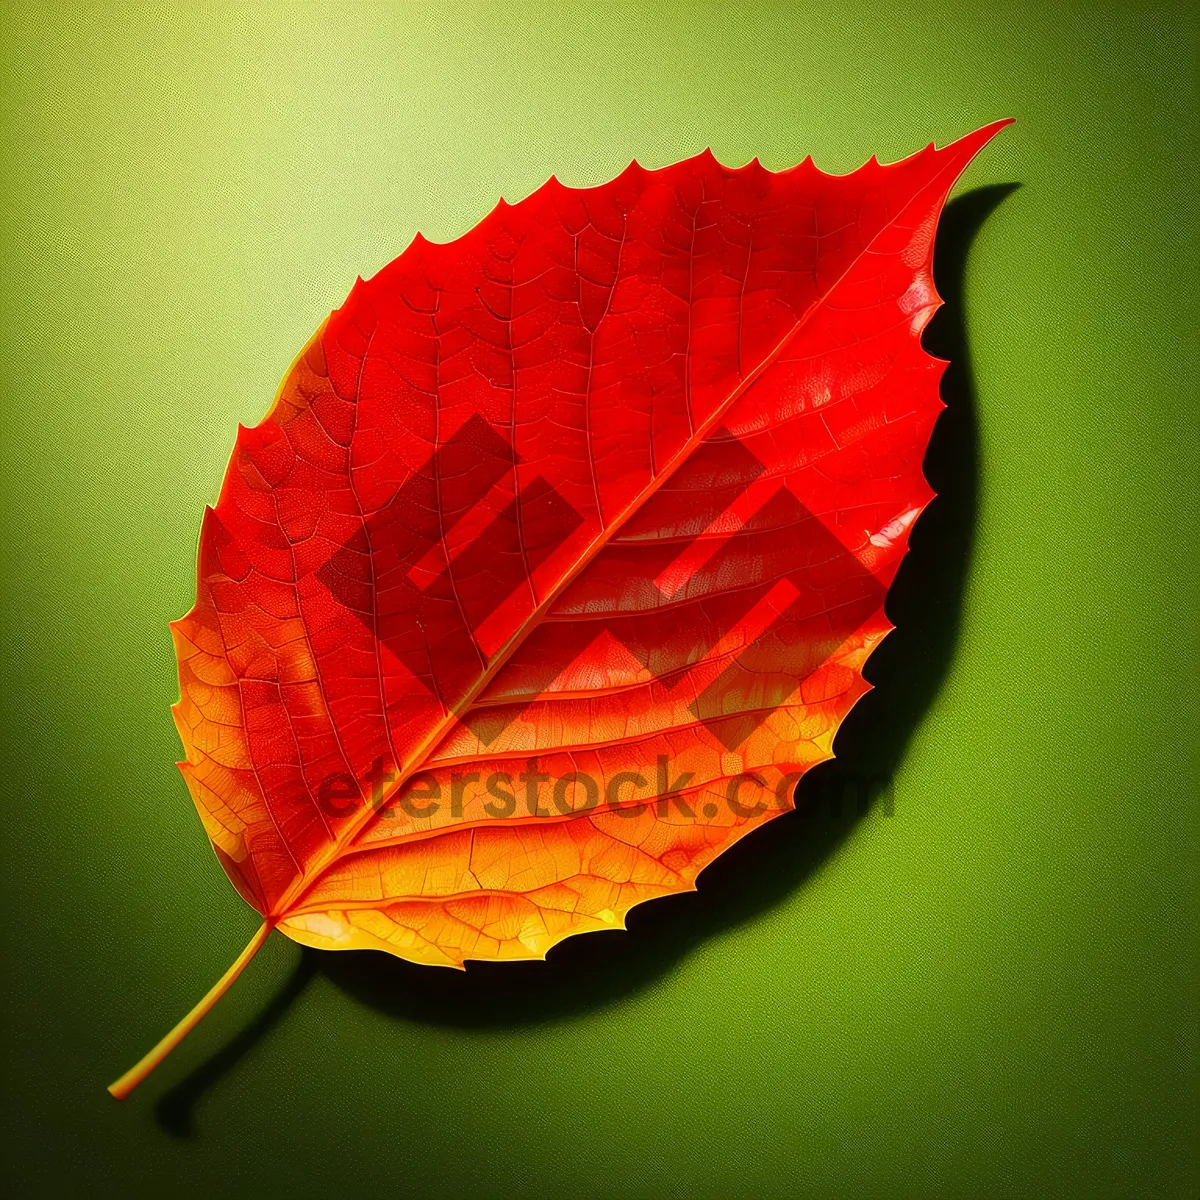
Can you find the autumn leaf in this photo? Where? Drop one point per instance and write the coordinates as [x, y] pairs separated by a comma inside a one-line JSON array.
[[556, 561]]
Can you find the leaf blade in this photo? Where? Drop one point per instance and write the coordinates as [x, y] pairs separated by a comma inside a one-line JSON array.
[[275, 643]]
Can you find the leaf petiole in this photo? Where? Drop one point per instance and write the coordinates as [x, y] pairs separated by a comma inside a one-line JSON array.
[[123, 1086]]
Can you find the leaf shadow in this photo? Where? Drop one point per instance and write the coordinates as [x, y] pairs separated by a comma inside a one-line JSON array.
[[175, 1109], [585, 973]]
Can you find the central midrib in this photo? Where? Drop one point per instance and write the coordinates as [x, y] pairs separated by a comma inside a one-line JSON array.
[[323, 861]]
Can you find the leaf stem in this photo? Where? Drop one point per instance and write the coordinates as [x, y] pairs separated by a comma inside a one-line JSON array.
[[144, 1066]]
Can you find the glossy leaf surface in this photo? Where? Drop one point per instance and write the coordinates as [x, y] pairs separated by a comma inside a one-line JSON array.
[[556, 561]]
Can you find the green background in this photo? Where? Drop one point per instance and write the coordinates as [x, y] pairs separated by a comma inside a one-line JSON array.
[[992, 992]]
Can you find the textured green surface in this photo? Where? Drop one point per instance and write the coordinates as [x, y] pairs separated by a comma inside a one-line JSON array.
[[992, 993]]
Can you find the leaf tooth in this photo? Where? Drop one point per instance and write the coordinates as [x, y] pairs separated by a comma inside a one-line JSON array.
[[634, 170], [805, 166]]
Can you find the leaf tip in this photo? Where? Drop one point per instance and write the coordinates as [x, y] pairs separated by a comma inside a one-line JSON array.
[[971, 143]]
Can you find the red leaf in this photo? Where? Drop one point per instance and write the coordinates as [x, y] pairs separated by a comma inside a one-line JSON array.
[[557, 559]]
